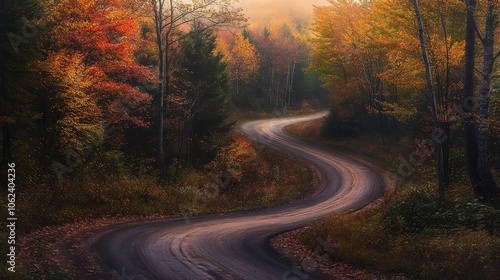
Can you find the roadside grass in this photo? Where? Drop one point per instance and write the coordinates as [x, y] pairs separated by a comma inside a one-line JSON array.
[[259, 177], [411, 232]]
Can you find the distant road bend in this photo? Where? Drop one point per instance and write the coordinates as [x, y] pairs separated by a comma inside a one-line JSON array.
[[236, 246]]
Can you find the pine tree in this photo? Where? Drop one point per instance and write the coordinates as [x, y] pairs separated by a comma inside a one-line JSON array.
[[201, 89]]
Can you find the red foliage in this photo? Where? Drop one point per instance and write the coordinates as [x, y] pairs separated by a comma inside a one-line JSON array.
[[105, 33]]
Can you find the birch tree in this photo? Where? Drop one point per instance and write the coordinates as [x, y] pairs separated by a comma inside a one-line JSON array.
[[488, 186], [432, 96]]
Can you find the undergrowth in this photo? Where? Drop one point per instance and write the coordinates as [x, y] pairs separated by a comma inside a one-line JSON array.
[[412, 233], [242, 176]]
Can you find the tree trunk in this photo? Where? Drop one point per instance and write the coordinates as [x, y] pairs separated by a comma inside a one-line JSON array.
[[444, 99], [488, 186], [158, 13], [432, 95], [468, 102], [291, 83], [160, 154]]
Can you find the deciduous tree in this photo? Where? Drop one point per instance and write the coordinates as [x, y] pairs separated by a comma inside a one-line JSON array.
[[243, 62], [92, 72], [488, 187], [433, 98]]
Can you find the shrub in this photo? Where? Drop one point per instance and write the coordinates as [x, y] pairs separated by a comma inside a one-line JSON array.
[[413, 214], [419, 212]]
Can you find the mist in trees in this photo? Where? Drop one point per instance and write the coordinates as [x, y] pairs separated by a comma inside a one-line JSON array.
[[152, 83], [144, 86], [398, 67], [170, 16]]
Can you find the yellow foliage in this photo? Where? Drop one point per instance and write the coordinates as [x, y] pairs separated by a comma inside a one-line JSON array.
[[244, 60], [81, 118], [375, 46], [235, 158]]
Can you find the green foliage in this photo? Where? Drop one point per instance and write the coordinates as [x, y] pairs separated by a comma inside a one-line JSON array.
[[362, 239], [415, 213], [199, 103], [421, 212], [202, 81]]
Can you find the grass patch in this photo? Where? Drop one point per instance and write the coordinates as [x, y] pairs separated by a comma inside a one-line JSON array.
[[362, 240]]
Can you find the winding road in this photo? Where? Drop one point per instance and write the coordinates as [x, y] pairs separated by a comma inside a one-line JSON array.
[[236, 246]]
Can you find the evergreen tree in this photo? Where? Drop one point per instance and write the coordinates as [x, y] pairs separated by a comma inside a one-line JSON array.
[[21, 25], [201, 90]]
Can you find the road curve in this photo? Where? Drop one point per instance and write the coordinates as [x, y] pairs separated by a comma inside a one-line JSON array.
[[236, 246]]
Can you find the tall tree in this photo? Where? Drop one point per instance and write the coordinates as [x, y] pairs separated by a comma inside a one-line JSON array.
[[170, 15], [347, 61], [468, 102], [243, 62], [90, 73], [280, 51], [488, 186], [432, 97], [475, 130], [200, 90]]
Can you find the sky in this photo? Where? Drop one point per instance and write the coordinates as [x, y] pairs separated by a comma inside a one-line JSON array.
[[262, 10]]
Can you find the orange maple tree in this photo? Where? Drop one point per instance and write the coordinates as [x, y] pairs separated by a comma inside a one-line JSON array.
[[99, 38]]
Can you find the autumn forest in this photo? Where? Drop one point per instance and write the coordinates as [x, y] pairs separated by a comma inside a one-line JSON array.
[[132, 109]]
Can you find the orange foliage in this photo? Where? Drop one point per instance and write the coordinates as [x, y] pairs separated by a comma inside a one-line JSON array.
[[374, 45], [105, 34], [239, 156]]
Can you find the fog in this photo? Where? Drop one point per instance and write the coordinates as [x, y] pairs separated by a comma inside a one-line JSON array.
[[263, 11]]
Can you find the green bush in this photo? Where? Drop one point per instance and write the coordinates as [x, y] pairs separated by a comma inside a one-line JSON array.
[[414, 213], [419, 212]]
